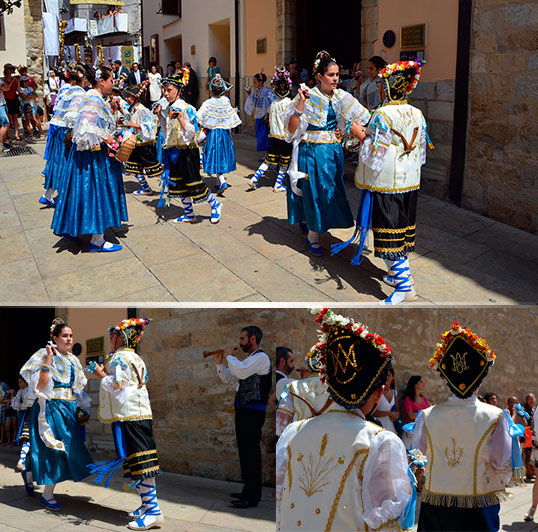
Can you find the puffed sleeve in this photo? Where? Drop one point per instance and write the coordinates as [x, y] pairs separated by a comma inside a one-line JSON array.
[[70, 116], [500, 448], [303, 123], [376, 143], [250, 104], [285, 411], [119, 374], [386, 477], [420, 438], [147, 122], [30, 373]]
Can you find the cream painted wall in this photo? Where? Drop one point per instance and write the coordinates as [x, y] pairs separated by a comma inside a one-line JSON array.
[[88, 323], [13, 39], [260, 22], [441, 17]]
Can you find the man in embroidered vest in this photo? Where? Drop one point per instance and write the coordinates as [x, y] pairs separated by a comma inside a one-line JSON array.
[[254, 379], [467, 442], [336, 471]]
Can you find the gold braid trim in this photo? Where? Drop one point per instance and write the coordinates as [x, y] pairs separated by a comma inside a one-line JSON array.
[[289, 467], [492, 427], [141, 453], [464, 501], [329, 524], [390, 230]]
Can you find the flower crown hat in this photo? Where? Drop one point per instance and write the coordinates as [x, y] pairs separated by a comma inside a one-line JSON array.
[[219, 85], [400, 79], [353, 361], [137, 90], [181, 79], [463, 360], [119, 83], [131, 330], [281, 82], [313, 359]]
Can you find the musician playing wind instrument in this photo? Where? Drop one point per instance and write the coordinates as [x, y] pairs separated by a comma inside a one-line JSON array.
[[253, 375]]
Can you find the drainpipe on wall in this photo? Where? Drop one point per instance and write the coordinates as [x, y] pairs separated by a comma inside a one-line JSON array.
[[237, 76], [461, 103]]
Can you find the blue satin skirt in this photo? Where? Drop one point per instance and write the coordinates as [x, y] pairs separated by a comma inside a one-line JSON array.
[[324, 204], [219, 153], [56, 159], [52, 128], [92, 197], [262, 134], [50, 466]]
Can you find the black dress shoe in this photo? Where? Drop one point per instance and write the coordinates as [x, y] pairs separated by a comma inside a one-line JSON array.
[[243, 503], [236, 495]]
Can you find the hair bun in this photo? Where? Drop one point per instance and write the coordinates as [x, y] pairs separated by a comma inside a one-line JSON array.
[[323, 55]]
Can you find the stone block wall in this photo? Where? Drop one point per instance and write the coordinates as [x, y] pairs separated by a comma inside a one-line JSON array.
[[369, 29], [501, 179], [436, 100], [193, 409], [33, 26]]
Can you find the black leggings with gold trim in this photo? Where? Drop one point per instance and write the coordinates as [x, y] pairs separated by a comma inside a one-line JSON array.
[[394, 224], [142, 461]]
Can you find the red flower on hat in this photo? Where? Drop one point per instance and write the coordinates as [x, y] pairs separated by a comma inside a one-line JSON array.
[[369, 337], [379, 340]]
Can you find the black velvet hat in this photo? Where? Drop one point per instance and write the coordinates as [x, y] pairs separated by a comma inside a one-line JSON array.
[[354, 361], [400, 79], [131, 330], [463, 360]]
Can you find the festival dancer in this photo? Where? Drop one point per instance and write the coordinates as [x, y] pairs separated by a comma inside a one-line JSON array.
[[279, 154], [259, 102], [141, 122], [338, 471], [93, 197], [181, 156], [56, 151], [218, 116], [57, 452], [317, 197], [470, 441], [22, 403], [392, 153], [124, 403]]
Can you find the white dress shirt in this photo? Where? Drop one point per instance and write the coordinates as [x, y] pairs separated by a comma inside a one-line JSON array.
[[256, 363]]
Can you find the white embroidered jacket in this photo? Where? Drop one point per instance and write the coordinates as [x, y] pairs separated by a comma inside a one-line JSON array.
[[123, 395], [339, 472], [469, 450]]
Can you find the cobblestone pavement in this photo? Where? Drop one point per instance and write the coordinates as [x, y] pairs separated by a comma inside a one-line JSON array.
[[189, 504], [252, 255]]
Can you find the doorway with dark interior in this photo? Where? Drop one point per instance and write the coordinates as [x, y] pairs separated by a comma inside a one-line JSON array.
[[334, 26]]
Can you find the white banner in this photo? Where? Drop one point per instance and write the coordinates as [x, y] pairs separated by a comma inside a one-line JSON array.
[[52, 7], [51, 34]]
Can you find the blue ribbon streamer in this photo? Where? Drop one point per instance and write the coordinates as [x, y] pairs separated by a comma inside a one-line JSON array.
[[362, 226], [105, 470], [170, 156], [515, 431]]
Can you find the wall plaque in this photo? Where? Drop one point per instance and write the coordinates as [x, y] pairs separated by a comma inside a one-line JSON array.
[[261, 46], [413, 36], [95, 346]]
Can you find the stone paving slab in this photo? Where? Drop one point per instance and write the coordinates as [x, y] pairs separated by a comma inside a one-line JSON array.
[[461, 256], [189, 504]]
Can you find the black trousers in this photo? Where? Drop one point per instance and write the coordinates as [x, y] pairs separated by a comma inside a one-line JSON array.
[[454, 519], [248, 431]]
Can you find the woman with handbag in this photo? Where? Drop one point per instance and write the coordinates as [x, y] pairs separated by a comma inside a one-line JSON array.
[[57, 452]]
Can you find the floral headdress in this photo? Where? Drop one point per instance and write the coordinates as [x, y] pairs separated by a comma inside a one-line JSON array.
[[137, 90], [219, 85], [281, 82], [131, 330], [181, 79], [463, 359], [352, 359], [401, 78]]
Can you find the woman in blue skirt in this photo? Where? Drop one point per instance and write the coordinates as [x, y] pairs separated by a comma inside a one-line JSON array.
[[55, 150], [317, 197], [218, 116], [57, 452], [92, 198], [259, 102]]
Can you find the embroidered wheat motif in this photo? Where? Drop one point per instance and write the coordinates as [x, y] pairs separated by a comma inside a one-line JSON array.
[[316, 471]]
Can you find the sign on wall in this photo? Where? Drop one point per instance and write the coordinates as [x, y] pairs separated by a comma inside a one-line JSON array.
[[127, 56], [413, 36]]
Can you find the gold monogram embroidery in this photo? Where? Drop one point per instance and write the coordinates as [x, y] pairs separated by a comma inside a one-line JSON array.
[[342, 359], [316, 470], [454, 458], [460, 364]]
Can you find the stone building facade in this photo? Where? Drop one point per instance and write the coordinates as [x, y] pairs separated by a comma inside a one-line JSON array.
[[193, 409], [33, 27], [501, 180]]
